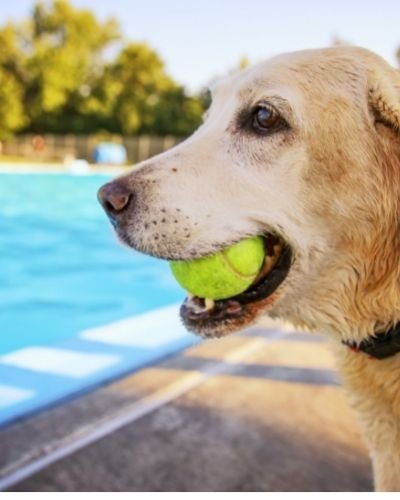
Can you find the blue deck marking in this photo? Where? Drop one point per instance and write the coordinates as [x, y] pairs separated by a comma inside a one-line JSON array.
[[46, 385]]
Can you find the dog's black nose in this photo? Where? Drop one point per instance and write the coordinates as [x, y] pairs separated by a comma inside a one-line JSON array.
[[114, 197]]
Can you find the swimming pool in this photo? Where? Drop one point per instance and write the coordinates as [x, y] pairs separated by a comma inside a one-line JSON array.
[[63, 277]]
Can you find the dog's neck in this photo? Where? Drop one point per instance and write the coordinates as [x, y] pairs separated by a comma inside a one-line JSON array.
[[381, 345]]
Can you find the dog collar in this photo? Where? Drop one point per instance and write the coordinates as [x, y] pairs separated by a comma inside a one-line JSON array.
[[382, 345]]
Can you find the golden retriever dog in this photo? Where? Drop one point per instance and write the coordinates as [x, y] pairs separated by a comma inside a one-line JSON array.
[[304, 150]]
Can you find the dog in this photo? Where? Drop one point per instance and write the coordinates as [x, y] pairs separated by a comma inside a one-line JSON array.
[[303, 149]]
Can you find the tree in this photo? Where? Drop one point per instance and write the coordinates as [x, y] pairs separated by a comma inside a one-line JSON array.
[[54, 77], [67, 47], [176, 113], [148, 100], [12, 115]]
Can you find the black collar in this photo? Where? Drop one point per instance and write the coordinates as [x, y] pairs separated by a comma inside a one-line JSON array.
[[381, 345]]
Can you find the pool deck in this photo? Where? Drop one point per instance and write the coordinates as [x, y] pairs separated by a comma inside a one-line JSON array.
[[259, 411]]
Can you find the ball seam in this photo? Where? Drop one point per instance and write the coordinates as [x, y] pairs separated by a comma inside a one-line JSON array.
[[235, 271]]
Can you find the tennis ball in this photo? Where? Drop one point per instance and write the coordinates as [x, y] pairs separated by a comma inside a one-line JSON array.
[[224, 274]]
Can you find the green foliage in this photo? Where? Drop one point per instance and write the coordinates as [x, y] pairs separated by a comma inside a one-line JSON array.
[[148, 100], [12, 116], [55, 77], [244, 62]]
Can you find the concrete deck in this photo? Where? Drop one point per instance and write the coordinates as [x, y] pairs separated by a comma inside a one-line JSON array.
[[260, 411]]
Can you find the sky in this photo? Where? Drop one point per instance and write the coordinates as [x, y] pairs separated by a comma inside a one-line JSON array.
[[200, 40]]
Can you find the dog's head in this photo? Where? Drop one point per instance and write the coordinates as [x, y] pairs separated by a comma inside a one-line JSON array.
[[304, 150]]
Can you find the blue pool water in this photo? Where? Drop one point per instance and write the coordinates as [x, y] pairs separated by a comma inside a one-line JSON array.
[[76, 307], [62, 269]]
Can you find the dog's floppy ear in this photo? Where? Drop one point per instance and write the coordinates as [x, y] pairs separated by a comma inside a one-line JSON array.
[[384, 97]]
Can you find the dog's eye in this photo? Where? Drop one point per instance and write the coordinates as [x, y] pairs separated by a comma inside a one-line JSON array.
[[265, 118]]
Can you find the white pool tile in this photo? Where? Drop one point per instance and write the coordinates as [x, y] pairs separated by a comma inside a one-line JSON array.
[[59, 361], [148, 330], [10, 395]]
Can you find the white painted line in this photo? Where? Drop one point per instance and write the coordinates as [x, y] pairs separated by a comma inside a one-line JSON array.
[[99, 429], [148, 330], [59, 361], [10, 395]]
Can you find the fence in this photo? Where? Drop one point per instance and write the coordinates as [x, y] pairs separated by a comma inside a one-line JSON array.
[[60, 147]]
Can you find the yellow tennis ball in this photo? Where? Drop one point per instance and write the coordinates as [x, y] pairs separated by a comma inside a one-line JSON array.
[[224, 274]]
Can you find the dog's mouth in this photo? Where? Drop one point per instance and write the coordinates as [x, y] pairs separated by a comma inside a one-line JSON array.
[[213, 318]]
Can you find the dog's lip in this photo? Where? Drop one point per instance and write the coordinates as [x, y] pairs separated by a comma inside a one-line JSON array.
[[235, 309], [222, 310]]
